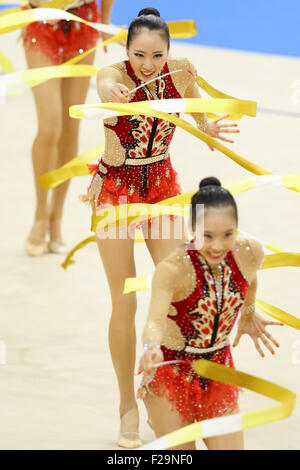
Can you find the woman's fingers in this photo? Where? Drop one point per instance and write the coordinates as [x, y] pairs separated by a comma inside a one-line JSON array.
[[227, 125], [237, 339], [225, 140], [274, 323], [257, 345], [227, 131], [267, 344], [222, 117], [268, 335]]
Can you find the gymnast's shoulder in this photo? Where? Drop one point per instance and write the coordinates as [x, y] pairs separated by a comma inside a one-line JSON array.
[[172, 271], [249, 255]]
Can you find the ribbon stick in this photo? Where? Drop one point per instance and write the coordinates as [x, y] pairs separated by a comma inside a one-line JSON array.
[[235, 422]]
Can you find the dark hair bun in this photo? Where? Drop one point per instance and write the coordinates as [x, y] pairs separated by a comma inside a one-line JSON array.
[[209, 181], [149, 11]]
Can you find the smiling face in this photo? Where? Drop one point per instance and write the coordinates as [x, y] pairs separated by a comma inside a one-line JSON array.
[[220, 231], [147, 53]]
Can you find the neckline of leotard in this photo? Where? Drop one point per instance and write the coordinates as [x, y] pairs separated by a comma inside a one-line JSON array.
[[229, 259], [133, 76]]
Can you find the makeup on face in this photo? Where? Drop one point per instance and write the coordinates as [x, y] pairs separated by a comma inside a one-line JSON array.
[[147, 53], [220, 231]]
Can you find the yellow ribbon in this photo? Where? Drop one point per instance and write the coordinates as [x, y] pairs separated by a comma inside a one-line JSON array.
[[125, 216], [234, 422], [137, 108], [75, 167], [69, 259], [118, 215], [6, 64], [35, 76], [280, 260], [278, 314]]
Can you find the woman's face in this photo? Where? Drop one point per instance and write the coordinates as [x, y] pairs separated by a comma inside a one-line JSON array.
[[147, 53], [220, 231]]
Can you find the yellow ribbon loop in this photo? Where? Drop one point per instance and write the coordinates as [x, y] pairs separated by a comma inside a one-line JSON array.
[[21, 19], [133, 108], [234, 422], [76, 167], [68, 261], [214, 93], [113, 215]]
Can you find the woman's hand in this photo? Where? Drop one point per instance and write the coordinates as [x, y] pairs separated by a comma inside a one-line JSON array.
[[151, 356], [118, 93], [215, 128], [255, 326]]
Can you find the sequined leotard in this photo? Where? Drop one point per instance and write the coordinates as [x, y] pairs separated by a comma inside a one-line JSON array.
[[136, 163], [200, 321], [64, 39]]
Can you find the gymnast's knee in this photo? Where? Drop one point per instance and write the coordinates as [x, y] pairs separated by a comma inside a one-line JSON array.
[[125, 304]]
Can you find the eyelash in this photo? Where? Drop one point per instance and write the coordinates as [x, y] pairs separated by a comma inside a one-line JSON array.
[[227, 235], [157, 56]]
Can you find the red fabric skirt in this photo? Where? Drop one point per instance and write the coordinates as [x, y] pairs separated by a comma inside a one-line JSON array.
[[195, 397], [64, 39], [149, 183]]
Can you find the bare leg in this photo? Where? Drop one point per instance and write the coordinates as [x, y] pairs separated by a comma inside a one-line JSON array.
[[234, 441], [161, 247], [44, 150], [73, 91], [118, 260], [164, 419]]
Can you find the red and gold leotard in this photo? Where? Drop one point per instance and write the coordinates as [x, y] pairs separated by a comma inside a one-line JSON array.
[[198, 327], [64, 39], [136, 163]]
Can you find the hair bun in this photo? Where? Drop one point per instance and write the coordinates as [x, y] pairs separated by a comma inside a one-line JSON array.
[[149, 11], [209, 181]]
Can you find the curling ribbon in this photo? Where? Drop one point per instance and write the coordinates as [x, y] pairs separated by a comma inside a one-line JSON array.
[[178, 29], [69, 259], [115, 215], [75, 167], [146, 211], [234, 422], [23, 18], [232, 106], [138, 108], [35, 76]]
